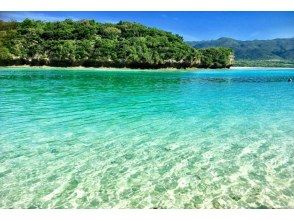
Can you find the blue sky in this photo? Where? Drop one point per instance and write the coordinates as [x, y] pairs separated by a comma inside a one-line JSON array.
[[190, 25]]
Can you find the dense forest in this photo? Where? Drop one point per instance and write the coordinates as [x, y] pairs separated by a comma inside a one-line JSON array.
[[276, 52], [92, 44]]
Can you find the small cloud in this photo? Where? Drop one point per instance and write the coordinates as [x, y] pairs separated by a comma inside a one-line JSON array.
[[107, 21], [20, 16], [254, 34]]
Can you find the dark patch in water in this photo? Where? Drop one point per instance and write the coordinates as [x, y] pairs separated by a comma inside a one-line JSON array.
[[235, 197], [53, 151], [198, 177], [158, 207], [52, 177], [216, 204], [4, 173], [72, 184], [128, 156], [263, 207]]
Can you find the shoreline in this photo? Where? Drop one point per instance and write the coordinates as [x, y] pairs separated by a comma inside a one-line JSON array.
[[138, 69], [258, 67], [98, 68]]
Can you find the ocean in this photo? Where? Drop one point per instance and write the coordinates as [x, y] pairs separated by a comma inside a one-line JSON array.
[[92, 138]]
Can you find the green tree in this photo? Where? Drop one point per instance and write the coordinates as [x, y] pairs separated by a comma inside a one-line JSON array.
[[89, 43]]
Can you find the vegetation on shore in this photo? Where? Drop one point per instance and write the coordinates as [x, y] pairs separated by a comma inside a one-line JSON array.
[[265, 63], [89, 43]]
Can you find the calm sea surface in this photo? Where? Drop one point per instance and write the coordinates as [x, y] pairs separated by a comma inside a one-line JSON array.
[[146, 139]]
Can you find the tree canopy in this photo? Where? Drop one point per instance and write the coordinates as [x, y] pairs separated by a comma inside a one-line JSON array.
[[89, 43]]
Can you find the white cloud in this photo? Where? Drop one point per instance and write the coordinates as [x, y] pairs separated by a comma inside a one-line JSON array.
[[107, 21], [19, 16]]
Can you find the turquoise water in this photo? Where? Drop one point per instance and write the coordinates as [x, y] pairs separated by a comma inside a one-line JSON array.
[[146, 139]]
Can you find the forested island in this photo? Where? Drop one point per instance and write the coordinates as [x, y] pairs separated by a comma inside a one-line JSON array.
[[89, 43]]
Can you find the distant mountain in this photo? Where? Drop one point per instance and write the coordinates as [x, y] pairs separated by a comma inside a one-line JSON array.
[[276, 49]]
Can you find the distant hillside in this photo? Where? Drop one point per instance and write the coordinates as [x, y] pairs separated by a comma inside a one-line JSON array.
[[276, 49]]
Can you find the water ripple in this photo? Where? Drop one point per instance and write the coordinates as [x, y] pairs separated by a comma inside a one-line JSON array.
[[154, 139]]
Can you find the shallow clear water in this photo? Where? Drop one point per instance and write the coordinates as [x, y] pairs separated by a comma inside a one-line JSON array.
[[146, 139]]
